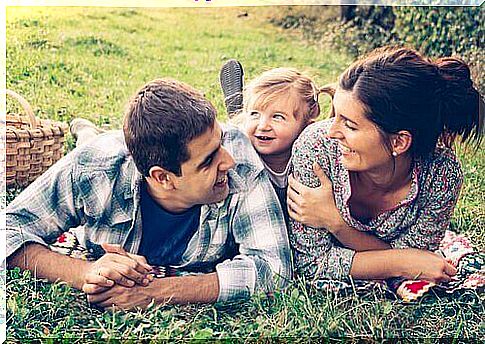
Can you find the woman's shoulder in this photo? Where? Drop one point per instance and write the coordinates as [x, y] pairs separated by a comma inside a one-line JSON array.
[[444, 161], [317, 129], [441, 171], [314, 137]]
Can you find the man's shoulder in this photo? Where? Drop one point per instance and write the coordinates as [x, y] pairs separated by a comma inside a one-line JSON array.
[[105, 151], [241, 149]]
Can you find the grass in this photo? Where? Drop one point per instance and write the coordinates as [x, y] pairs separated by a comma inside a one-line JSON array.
[[87, 62]]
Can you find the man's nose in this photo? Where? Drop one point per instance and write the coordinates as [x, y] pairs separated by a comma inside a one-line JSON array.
[[227, 161]]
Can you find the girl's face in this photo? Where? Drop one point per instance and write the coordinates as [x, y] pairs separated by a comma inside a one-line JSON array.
[[274, 127], [359, 139]]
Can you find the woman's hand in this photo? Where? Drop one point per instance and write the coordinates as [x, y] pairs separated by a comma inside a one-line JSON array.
[[424, 265], [314, 207]]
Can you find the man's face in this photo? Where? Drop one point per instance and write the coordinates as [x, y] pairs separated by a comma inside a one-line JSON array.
[[204, 177]]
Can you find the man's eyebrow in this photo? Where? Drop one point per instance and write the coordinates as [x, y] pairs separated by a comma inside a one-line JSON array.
[[347, 119], [211, 154]]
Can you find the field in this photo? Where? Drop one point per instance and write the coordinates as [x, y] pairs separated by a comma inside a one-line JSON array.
[[87, 62]]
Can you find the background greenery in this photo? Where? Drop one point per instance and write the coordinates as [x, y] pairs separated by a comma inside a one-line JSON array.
[[435, 31], [86, 62]]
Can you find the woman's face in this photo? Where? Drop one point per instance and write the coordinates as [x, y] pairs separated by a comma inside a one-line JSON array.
[[359, 140]]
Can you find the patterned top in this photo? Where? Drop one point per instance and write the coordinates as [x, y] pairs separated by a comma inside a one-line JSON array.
[[419, 221], [97, 186]]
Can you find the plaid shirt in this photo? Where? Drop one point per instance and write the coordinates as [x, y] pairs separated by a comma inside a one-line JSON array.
[[97, 187]]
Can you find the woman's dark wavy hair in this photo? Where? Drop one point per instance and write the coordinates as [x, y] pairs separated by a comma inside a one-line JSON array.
[[433, 100]]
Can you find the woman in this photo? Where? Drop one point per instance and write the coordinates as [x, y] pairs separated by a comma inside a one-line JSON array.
[[387, 156]]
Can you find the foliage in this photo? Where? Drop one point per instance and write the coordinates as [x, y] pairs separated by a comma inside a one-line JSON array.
[[445, 31], [435, 31], [440, 31]]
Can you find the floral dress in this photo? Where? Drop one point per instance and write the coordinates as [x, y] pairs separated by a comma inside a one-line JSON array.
[[419, 221]]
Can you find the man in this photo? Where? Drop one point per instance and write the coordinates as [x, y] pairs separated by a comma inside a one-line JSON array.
[[176, 190]]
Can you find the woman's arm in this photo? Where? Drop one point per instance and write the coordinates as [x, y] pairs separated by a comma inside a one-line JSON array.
[[315, 207], [408, 263]]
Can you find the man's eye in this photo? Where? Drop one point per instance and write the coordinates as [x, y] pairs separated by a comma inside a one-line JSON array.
[[208, 161]]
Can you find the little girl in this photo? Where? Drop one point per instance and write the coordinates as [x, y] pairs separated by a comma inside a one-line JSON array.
[[276, 107]]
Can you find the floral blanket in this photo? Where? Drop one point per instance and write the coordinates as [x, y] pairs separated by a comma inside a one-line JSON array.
[[455, 248]]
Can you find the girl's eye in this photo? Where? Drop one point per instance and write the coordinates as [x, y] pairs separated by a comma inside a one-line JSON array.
[[254, 114], [278, 116]]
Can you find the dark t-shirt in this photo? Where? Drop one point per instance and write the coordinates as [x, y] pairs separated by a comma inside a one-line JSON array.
[[165, 235]]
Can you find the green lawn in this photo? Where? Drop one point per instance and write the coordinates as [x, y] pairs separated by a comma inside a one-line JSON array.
[[87, 62]]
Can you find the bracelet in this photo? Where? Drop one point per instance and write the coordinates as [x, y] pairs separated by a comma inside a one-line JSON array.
[[418, 275]]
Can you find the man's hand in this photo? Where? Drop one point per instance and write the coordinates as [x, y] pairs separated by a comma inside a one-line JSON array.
[[121, 297], [116, 266], [314, 207], [174, 290]]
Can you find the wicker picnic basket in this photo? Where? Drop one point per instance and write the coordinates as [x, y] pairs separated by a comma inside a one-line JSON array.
[[32, 145]]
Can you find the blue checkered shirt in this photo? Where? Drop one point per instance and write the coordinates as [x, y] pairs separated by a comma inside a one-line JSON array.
[[96, 188]]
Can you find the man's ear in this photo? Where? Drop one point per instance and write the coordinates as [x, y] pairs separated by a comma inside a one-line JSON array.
[[401, 142], [163, 177]]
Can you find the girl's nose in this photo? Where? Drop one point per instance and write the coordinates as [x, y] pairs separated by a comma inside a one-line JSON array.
[[264, 123]]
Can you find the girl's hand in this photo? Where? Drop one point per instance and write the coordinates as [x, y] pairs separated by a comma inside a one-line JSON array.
[[314, 207], [425, 265]]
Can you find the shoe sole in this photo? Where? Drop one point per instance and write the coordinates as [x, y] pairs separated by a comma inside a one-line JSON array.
[[231, 78]]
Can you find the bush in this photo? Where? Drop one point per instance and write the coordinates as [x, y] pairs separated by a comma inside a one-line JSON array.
[[434, 31], [444, 31]]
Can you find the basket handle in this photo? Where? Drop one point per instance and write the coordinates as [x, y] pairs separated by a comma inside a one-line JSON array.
[[25, 104]]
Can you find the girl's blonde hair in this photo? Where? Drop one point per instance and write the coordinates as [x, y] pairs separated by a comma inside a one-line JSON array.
[[270, 84]]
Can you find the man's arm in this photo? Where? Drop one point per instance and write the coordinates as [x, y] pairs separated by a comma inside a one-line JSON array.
[[258, 227], [49, 264], [53, 266], [173, 290]]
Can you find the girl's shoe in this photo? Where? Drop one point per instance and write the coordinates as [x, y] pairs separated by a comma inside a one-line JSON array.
[[232, 79]]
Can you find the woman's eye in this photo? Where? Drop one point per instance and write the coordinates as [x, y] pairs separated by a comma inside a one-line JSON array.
[[349, 125]]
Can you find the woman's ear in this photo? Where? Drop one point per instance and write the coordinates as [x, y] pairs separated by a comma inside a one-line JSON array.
[[163, 177], [401, 142]]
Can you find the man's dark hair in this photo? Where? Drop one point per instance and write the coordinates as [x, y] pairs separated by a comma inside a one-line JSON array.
[[161, 119]]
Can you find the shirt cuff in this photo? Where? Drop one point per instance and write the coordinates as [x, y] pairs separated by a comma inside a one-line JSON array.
[[237, 278], [17, 238]]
